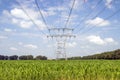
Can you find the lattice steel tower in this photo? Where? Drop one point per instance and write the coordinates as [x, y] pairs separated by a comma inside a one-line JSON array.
[[61, 35]]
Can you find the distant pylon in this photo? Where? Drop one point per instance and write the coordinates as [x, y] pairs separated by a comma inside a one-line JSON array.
[[61, 35]]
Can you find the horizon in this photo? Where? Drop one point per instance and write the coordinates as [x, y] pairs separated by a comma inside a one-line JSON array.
[[96, 33]]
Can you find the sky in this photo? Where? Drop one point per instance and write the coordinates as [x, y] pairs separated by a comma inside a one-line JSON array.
[[23, 31]]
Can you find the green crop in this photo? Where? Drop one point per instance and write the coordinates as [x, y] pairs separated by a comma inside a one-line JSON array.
[[60, 70]]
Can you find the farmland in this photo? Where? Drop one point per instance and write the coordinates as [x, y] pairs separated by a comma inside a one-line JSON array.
[[60, 70]]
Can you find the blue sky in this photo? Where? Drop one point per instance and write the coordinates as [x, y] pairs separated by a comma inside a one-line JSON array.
[[95, 33]]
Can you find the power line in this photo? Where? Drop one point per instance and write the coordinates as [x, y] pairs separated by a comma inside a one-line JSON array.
[[30, 18], [44, 20], [88, 14], [101, 11], [70, 14], [41, 13], [42, 16], [93, 18], [103, 21]]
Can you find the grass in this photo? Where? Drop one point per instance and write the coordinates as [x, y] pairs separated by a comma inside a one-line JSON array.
[[60, 70]]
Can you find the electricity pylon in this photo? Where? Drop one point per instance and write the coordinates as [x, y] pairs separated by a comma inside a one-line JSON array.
[[61, 35]]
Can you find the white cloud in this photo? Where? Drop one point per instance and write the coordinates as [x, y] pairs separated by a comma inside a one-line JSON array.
[[7, 30], [15, 21], [96, 39], [99, 41], [13, 48], [71, 45], [98, 22], [109, 40], [22, 23], [3, 37], [26, 24], [41, 25], [31, 35], [21, 19], [31, 46], [19, 13]]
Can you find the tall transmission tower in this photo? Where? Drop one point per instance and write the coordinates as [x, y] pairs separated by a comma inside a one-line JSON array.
[[61, 35]]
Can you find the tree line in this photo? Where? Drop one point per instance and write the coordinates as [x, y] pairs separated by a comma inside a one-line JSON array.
[[23, 57], [110, 55]]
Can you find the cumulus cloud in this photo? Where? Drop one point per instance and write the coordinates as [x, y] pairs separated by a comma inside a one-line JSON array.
[[19, 18], [109, 40], [26, 24], [99, 41], [41, 25], [13, 48], [19, 13], [98, 22], [22, 23], [31, 46], [95, 39]]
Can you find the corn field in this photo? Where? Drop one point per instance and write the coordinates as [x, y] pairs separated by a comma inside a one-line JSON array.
[[60, 70]]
